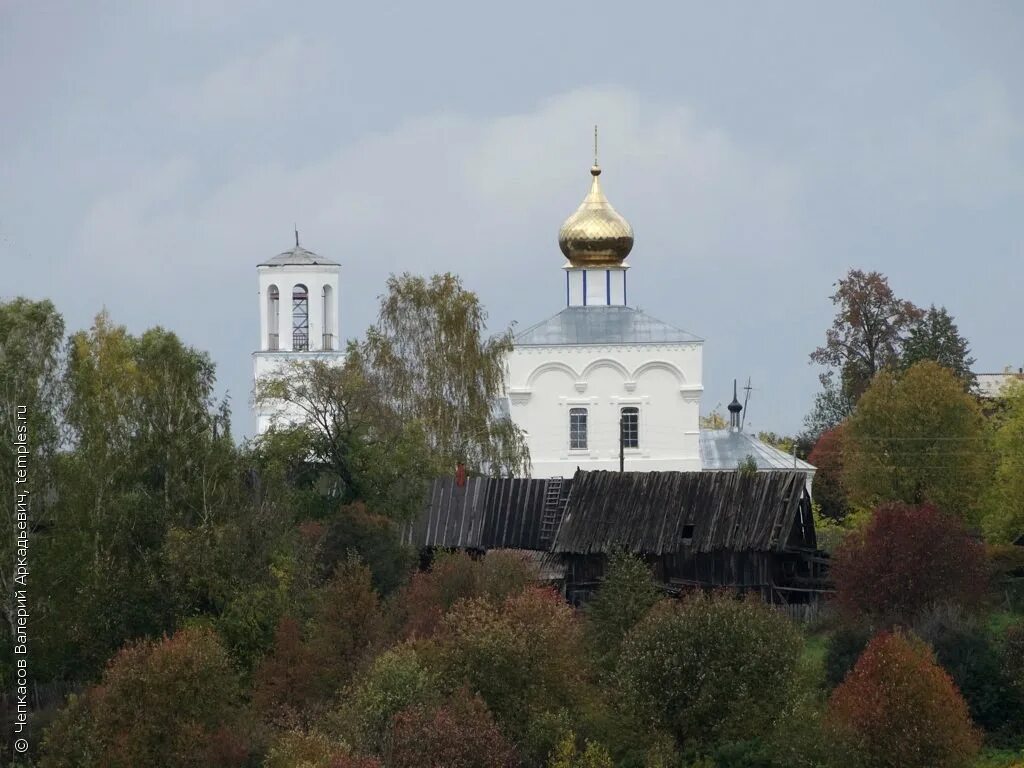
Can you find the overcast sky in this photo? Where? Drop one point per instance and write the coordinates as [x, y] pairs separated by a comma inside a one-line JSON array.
[[151, 154]]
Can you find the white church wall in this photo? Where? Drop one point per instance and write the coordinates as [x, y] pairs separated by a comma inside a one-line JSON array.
[[662, 380]]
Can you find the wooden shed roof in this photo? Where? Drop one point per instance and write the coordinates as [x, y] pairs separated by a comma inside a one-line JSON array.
[[485, 513], [658, 513]]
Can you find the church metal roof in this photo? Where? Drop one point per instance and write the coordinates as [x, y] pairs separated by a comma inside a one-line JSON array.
[[723, 449], [296, 256], [602, 325]]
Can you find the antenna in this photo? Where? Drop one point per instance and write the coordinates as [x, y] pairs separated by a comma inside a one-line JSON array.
[[296, 227], [746, 399], [595, 144]]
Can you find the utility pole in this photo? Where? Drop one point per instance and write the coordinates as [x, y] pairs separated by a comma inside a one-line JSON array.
[[622, 443]]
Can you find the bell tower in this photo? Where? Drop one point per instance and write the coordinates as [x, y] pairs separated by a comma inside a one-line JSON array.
[[298, 300]]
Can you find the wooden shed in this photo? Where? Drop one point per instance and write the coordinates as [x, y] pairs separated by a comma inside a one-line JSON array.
[[748, 531]]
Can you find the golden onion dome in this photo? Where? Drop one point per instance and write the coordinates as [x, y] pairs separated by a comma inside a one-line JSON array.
[[596, 235]]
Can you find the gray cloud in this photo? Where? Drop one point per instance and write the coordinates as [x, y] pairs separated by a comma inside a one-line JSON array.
[[181, 161]]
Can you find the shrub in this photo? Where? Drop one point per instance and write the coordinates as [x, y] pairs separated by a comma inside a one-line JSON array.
[[899, 709], [627, 594], [827, 456], [374, 540], [311, 749], [396, 680], [842, 650], [906, 560], [1012, 657], [709, 669], [166, 703], [965, 650], [457, 576], [567, 755], [300, 675], [524, 657], [457, 734]]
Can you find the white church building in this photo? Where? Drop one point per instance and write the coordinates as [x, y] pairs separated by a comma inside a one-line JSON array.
[[601, 384]]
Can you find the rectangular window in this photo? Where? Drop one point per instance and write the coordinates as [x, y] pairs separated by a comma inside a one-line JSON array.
[[578, 429], [631, 427]]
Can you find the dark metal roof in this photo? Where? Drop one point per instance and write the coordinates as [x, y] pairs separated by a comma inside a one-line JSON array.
[[659, 513], [297, 256], [485, 513], [602, 325]]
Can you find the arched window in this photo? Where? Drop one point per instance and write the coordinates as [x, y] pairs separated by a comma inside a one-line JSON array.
[[328, 318], [630, 427], [300, 318], [273, 318]]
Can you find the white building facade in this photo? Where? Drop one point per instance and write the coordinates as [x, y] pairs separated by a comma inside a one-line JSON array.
[[298, 299], [600, 380]]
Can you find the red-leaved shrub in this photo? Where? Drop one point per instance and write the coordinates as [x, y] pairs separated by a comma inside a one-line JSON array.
[[898, 709], [906, 560], [458, 734], [170, 702], [827, 456]]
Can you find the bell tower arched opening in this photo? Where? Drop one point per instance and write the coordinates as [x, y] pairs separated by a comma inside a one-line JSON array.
[[300, 318]]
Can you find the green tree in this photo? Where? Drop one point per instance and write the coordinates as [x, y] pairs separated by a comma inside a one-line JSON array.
[[917, 438], [524, 657], [31, 400], [149, 450], [626, 595], [397, 680], [1004, 518], [708, 670], [936, 337], [428, 353], [349, 428]]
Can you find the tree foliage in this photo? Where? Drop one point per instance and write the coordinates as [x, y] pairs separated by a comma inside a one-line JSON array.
[[917, 438], [709, 669], [167, 703], [905, 561], [626, 595], [1004, 519], [423, 603], [31, 401], [523, 657], [829, 489], [429, 354], [458, 733], [899, 709], [868, 331], [935, 336], [346, 423], [397, 680]]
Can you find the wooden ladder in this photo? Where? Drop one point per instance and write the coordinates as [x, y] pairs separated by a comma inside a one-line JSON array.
[[553, 509]]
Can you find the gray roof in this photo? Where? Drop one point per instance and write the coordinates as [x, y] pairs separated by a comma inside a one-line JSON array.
[[602, 325], [723, 449], [297, 255], [658, 513]]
